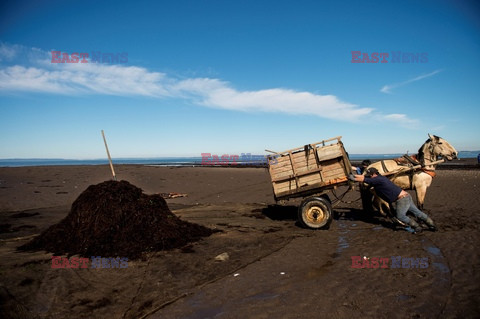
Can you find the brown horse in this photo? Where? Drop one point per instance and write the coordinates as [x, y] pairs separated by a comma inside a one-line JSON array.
[[434, 149]]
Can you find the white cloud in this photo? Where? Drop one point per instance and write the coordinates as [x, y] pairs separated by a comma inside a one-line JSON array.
[[218, 94], [7, 52], [401, 119], [122, 80], [81, 79], [388, 88]]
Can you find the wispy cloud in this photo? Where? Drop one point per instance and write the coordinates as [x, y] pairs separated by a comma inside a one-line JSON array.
[[219, 94], [390, 87], [7, 52], [402, 119], [35, 73]]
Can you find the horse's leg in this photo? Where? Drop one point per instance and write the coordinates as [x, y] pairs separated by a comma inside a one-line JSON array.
[[377, 203], [421, 182], [381, 206], [367, 198], [385, 208], [420, 194]]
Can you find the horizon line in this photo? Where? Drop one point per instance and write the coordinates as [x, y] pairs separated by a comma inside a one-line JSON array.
[[166, 157]]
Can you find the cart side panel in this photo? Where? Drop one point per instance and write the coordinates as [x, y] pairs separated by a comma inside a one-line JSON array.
[[284, 166], [303, 162], [295, 172], [329, 152], [332, 172]]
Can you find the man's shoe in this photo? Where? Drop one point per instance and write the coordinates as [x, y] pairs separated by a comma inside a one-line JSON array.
[[410, 230], [415, 226], [431, 225]]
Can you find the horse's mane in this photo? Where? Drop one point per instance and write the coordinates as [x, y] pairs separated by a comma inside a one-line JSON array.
[[421, 152]]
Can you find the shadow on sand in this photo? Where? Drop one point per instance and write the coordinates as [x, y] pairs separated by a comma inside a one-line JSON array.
[[290, 212], [354, 214]]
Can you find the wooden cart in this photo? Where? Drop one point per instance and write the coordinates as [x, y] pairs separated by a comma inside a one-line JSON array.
[[310, 171]]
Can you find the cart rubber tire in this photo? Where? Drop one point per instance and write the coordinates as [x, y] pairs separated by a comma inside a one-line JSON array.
[[315, 213]]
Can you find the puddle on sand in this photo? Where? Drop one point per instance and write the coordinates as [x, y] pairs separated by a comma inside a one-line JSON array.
[[342, 239], [442, 268], [342, 244], [437, 260], [218, 311], [404, 297], [434, 250], [441, 271], [201, 311], [207, 313], [262, 296]]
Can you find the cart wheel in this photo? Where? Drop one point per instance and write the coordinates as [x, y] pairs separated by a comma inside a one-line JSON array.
[[315, 213]]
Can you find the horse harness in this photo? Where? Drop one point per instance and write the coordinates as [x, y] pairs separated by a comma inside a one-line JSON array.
[[409, 161]]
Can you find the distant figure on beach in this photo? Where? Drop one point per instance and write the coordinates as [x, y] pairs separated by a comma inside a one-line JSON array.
[[359, 169], [399, 199]]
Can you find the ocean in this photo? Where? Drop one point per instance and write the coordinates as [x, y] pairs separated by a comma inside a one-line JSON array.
[[169, 161]]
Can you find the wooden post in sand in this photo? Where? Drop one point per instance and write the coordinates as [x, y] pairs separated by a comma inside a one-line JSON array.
[[109, 158]]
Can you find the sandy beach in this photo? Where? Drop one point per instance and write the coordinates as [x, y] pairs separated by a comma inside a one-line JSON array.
[[274, 269]]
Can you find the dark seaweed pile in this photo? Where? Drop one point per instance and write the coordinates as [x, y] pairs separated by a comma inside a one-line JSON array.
[[116, 219]]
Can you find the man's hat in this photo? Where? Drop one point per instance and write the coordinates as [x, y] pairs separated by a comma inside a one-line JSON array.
[[371, 171], [366, 162]]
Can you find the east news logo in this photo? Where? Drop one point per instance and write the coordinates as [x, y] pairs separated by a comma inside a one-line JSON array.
[[394, 57], [96, 262], [359, 262], [84, 57]]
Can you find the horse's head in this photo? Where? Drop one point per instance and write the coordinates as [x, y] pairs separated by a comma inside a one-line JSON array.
[[436, 148]]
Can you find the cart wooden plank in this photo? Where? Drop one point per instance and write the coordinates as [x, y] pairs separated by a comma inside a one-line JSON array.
[[310, 168]]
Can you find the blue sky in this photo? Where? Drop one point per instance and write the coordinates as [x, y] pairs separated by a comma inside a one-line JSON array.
[[231, 77]]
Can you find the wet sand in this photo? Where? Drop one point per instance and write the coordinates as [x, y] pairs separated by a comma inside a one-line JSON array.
[[275, 268]]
